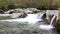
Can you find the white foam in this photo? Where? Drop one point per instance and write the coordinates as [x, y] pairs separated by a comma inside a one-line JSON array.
[[46, 27], [31, 19]]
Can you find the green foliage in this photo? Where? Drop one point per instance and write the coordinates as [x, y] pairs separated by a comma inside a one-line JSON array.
[[20, 5], [3, 5], [11, 6], [41, 4]]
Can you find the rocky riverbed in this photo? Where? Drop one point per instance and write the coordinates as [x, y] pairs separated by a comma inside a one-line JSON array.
[[7, 27]]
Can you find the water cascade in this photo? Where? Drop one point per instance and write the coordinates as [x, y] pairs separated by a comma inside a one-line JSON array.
[[31, 19], [48, 27]]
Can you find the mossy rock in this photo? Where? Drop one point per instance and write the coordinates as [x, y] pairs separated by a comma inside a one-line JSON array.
[[4, 17]]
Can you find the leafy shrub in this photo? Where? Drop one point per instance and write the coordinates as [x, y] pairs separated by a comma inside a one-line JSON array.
[[20, 5], [11, 6]]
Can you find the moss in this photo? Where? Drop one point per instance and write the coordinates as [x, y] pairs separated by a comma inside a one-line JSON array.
[[4, 17], [36, 11]]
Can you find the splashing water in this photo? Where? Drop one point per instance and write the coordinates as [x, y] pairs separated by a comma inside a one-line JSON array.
[[48, 27], [31, 19]]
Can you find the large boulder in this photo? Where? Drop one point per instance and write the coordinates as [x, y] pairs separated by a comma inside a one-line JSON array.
[[28, 11], [31, 10], [50, 13], [15, 11], [18, 15]]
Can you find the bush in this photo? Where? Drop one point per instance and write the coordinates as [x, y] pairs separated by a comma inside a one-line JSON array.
[[20, 5], [11, 6], [42, 8]]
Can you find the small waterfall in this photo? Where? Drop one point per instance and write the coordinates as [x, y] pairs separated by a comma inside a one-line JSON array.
[[52, 20], [42, 15], [31, 19], [49, 27]]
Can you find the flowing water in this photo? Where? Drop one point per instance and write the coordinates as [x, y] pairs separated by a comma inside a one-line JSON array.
[[52, 20], [23, 26], [49, 27]]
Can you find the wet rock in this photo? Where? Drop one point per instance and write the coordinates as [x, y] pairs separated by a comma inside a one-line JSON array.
[[15, 11], [31, 10]]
